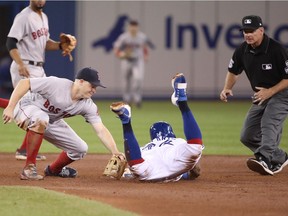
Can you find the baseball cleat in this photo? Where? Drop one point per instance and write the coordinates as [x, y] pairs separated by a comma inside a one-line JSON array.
[[66, 172], [179, 85], [276, 168], [122, 110], [22, 155], [128, 174], [30, 173], [259, 166]]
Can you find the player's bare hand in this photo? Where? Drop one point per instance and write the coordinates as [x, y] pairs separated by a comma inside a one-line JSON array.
[[23, 71], [262, 95], [225, 93], [120, 154], [7, 115]]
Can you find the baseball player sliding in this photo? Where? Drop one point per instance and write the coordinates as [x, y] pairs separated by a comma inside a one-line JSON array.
[[132, 48], [26, 42], [40, 112], [165, 158]]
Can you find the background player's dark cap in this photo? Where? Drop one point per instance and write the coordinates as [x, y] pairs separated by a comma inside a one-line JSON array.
[[90, 75], [251, 22], [133, 23]]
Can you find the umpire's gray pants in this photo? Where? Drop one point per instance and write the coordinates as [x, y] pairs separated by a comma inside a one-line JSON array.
[[263, 126]]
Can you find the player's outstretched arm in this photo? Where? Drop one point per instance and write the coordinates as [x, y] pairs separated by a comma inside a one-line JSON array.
[[21, 89], [106, 138], [67, 44]]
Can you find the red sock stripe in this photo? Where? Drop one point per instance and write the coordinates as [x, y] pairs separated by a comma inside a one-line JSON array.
[[34, 141], [24, 143], [3, 103], [195, 141], [62, 161], [134, 162]]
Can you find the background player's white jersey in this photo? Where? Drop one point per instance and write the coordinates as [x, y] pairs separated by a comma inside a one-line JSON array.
[[32, 32], [135, 45], [53, 96], [167, 159]]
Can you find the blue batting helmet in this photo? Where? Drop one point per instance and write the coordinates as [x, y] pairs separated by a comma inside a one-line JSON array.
[[161, 130]]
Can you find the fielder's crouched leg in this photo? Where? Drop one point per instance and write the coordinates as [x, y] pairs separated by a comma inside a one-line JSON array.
[[74, 148]]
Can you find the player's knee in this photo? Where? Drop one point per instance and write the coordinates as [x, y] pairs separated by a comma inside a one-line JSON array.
[[37, 123], [80, 153], [38, 126], [76, 155], [245, 138], [83, 147]]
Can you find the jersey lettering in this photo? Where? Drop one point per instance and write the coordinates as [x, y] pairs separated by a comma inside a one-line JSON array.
[[39, 33], [65, 114], [51, 108], [149, 146], [166, 142]]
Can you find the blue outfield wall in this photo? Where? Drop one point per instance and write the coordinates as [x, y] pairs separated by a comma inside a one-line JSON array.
[[61, 15]]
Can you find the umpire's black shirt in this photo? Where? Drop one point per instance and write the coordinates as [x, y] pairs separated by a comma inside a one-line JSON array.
[[265, 66]]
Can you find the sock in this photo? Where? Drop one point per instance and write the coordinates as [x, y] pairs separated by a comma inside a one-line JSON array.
[[62, 161], [3, 103], [131, 146], [191, 128], [24, 143], [33, 141]]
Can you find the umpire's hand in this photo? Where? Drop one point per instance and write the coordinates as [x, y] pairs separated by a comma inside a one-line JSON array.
[[225, 93]]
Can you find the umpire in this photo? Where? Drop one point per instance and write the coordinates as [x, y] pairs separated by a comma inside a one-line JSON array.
[[265, 63]]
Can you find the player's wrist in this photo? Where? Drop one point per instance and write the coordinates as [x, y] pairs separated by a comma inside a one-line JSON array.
[[60, 46]]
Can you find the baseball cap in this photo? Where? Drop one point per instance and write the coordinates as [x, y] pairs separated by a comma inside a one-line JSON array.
[[90, 75], [251, 22], [133, 22]]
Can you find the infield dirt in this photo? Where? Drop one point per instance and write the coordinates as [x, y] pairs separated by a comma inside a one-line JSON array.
[[225, 187]]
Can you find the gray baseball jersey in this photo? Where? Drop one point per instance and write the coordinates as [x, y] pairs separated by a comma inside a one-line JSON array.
[[132, 68], [135, 44], [32, 32], [53, 96]]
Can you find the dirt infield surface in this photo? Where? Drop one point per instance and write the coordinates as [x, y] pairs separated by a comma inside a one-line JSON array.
[[225, 187]]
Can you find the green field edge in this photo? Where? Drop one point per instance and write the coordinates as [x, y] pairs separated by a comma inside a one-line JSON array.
[[28, 200]]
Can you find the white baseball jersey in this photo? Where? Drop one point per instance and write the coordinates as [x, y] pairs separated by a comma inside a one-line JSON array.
[[134, 44], [53, 96], [32, 32], [167, 159]]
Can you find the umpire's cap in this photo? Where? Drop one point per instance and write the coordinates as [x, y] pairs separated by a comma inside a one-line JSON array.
[[251, 22], [90, 75]]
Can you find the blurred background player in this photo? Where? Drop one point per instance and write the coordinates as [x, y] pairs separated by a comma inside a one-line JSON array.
[[26, 42], [41, 114], [132, 48], [265, 63], [165, 158]]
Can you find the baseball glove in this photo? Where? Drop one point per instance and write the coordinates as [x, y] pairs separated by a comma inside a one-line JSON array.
[[67, 43], [115, 167]]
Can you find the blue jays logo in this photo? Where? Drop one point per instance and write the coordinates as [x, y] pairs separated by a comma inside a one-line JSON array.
[[149, 146], [107, 41], [118, 28]]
